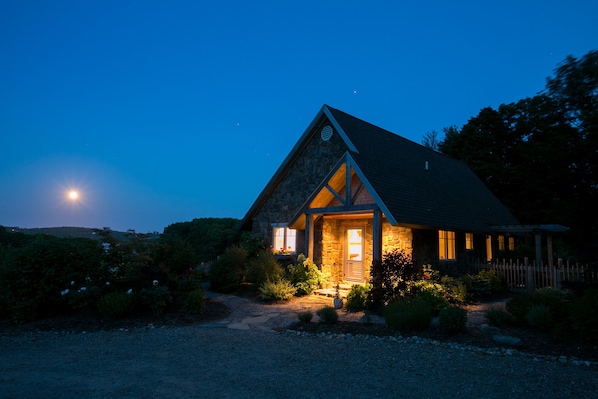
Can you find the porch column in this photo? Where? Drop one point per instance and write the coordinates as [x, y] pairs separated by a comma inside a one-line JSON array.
[[377, 236], [538, 248], [309, 236]]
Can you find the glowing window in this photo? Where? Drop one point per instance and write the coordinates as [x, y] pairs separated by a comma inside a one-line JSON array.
[[284, 240], [468, 240], [446, 245], [501, 243], [511, 243]]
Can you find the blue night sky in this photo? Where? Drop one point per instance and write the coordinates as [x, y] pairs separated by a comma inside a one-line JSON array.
[[162, 112]]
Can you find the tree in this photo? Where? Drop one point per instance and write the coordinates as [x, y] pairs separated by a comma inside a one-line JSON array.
[[431, 140], [540, 155]]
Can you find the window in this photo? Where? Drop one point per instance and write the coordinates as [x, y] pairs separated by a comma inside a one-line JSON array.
[[511, 243], [446, 245], [468, 240], [284, 240], [501, 243], [488, 248]]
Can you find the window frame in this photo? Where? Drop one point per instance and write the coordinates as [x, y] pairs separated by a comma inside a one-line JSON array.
[[288, 235], [446, 245], [469, 242]]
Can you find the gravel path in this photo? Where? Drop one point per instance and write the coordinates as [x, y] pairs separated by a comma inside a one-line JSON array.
[[217, 362]]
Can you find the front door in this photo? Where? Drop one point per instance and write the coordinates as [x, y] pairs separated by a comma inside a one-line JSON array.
[[354, 255]]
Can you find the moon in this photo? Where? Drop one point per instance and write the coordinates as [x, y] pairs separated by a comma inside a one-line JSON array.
[[73, 195]]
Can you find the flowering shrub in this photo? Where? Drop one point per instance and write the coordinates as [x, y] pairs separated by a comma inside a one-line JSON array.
[[305, 275]]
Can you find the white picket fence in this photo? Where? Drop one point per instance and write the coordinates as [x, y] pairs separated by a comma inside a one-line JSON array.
[[529, 276]]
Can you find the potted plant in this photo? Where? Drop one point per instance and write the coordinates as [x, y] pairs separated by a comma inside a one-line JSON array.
[[338, 301]]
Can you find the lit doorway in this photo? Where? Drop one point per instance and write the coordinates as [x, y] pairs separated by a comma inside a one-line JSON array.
[[354, 255]]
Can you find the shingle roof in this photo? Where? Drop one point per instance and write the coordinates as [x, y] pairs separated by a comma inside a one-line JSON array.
[[446, 196]]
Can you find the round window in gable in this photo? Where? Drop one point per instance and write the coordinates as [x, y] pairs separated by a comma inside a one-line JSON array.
[[326, 133]]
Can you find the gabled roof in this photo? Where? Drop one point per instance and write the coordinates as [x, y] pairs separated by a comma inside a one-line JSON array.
[[416, 186]]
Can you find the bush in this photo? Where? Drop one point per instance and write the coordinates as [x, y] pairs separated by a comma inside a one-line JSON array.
[[280, 290], [498, 283], [157, 298], [116, 304], [498, 317], [227, 272], [453, 319], [477, 285], [539, 317], [392, 277], [328, 315], [518, 306], [263, 267], [305, 275], [196, 301], [554, 300], [357, 297], [585, 316], [455, 289], [305, 317], [405, 315], [434, 298]]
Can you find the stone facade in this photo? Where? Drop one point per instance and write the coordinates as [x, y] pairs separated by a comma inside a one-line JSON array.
[[303, 175], [331, 252]]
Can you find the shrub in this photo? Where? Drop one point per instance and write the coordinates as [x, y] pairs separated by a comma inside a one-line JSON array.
[[518, 306], [477, 285], [328, 315], [455, 289], [357, 297], [280, 290], [585, 317], [263, 267], [227, 272], [305, 275], [554, 300], [195, 302], [433, 297], [498, 283], [453, 319], [116, 304], [498, 317], [404, 315], [392, 277], [305, 317], [157, 298], [539, 317]]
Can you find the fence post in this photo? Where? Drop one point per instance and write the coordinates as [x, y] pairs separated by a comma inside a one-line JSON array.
[[529, 276]]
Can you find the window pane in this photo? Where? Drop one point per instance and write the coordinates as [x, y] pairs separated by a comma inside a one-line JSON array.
[[501, 243], [468, 240], [511, 243], [278, 238], [450, 243], [291, 239], [355, 247], [441, 244]]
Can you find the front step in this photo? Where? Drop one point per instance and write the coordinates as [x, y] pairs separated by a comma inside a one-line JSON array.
[[343, 290]]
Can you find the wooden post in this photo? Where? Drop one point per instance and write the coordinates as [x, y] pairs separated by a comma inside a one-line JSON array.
[[538, 248], [309, 236], [377, 236], [529, 276]]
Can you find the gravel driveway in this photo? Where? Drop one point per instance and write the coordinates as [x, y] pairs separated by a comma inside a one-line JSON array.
[[203, 361]]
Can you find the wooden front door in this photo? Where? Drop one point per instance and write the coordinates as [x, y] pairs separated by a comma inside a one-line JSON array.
[[354, 255]]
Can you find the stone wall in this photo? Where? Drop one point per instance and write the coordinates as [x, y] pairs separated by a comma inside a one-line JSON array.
[[332, 250], [304, 174]]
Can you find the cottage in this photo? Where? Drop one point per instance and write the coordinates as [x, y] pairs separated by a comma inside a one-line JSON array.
[[350, 191]]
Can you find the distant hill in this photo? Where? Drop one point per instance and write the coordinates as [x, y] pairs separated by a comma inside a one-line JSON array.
[[74, 232]]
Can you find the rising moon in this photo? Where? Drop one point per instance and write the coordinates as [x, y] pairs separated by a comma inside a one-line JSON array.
[[73, 195]]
